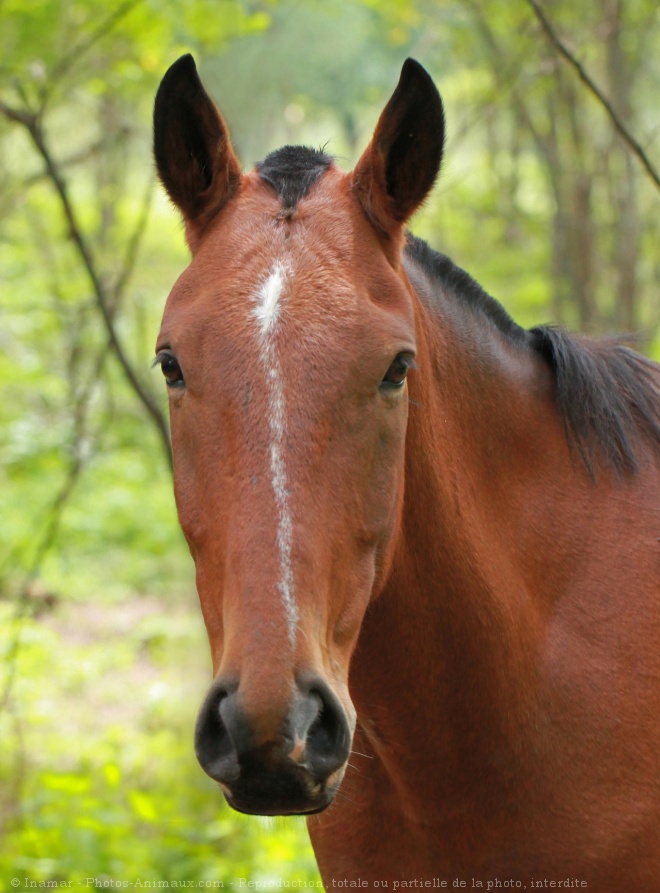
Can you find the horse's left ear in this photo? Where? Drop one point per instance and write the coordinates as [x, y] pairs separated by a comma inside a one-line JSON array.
[[194, 157], [400, 164]]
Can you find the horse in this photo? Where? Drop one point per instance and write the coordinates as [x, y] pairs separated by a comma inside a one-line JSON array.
[[426, 539]]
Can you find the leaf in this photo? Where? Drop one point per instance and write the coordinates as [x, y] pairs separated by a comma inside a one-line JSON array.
[[143, 806]]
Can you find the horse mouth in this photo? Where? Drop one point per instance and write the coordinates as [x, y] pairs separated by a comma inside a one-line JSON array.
[[258, 807], [269, 793]]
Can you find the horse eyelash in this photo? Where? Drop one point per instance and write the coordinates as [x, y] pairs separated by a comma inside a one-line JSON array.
[[158, 359]]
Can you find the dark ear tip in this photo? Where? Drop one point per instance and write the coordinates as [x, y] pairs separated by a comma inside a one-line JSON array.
[[184, 62], [415, 78], [412, 68], [184, 67]]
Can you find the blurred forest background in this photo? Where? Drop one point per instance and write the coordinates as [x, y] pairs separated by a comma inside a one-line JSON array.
[[105, 659]]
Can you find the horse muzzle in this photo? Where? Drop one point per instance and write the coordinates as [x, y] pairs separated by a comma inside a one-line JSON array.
[[294, 768]]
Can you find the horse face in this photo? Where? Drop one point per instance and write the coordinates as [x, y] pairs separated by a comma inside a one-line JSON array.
[[286, 346]]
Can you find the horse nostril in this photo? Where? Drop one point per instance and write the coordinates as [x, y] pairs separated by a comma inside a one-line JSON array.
[[214, 743], [328, 736], [278, 764]]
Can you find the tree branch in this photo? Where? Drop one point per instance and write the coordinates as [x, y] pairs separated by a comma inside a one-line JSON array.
[[103, 299], [54, 514], [591, 86], [44, 545], [134, 242], [18, 116], [73, 57]]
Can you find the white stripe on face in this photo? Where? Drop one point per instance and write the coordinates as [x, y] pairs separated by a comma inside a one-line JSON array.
[[267, 311], [268, 299]]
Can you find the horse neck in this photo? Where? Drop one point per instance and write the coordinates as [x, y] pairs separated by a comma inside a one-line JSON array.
[[453, 634]]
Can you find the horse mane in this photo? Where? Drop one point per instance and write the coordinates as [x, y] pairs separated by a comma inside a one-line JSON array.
[[608, 396]]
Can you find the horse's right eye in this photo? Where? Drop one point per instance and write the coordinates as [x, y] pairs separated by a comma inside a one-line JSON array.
[[170, 369]]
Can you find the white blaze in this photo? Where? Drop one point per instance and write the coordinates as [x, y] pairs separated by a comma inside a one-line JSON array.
[[267, 312], [268, 300]]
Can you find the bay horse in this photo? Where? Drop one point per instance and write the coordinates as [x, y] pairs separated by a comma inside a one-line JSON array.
[[426, 540]]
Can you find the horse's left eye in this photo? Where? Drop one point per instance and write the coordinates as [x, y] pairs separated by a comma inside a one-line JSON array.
[[396, 374]]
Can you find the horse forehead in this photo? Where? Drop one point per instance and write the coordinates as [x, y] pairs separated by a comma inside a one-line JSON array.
[[303, 253], [311, 257], [320, 228]]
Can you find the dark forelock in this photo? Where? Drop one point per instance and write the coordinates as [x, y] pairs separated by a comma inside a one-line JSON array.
[[292, 171]]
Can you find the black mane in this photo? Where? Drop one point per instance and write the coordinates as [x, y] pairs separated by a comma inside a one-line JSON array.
[[441, 268], [292, 171], [608, 395]]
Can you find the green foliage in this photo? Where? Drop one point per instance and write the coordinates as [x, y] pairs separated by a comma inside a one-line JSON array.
[[103, 759]]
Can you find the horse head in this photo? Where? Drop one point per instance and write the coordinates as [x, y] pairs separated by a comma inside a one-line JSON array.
[[286, 346]]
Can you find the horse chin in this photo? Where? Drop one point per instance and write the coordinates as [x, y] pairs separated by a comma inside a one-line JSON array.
[[267, 794]]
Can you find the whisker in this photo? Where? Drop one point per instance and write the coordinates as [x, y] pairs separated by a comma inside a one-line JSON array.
[[340, 795]]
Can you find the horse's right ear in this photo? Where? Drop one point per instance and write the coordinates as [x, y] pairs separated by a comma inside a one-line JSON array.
[[194, 157], [400, 164]]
